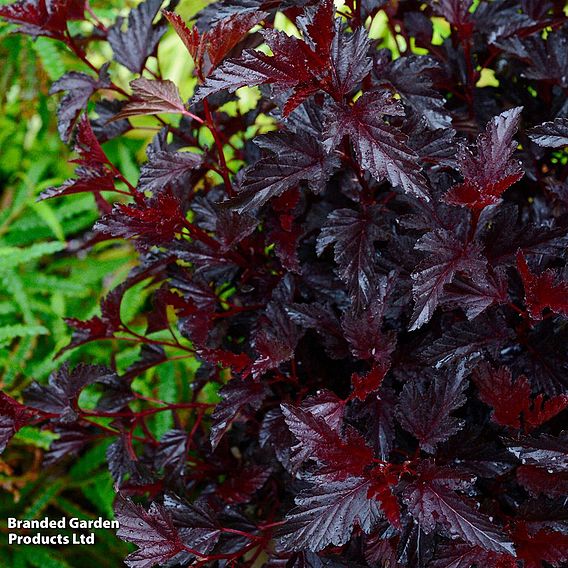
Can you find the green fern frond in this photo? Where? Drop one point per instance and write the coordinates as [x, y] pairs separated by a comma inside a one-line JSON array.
[[40, 557], [43, 499], [50, 57], [10, 257], [9, 332]]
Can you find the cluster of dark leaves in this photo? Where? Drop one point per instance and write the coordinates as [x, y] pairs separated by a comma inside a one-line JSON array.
[[397, 326]]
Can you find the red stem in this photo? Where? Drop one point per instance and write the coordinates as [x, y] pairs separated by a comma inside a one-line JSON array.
[[219, 145]]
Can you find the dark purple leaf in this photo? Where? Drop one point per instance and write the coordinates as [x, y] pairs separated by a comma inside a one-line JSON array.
[[43, 17], [88, 180], [551, 134], [151, 531], [117, 391], [80, 88], [293, 159], [61, 395], [276, 336], [295, 65], [379, 549], [363, 329], [153, 221], [380, 412], [209, 48], [466, 342], [92, 171], [240, 487], [317, 441], [367, 383], [497, 389], [198, 527], [432, 501], [327, 513], [104, 127], [447, 255], [455, 11], [353, 235], [349, 59], [236, 396], [536, 547], [546, 59], [283, 271], [70, 443], [152, 97], [292, 66], [222, 9], [381, 148], [324, 322], [412, 78], [432, 146], [477, 294], [275, 435], [172, 451], [492, 170], [133, 46], [13, 416], [165, 169], [120, 459], [545, 451], [327, 406], [426, 411], [539, 481], [464, 556], [542, 291]]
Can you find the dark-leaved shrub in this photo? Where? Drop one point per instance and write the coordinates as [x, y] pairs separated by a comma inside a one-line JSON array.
[[369, 260]]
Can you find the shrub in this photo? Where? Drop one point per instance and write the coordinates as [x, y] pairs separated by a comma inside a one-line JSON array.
[[363, 261]]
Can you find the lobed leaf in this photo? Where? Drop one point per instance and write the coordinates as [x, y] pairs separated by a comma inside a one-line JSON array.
[[152, 97], [432, 501], [551, 134], [152, 531], [381, 148], [425, 412], [327, 513], [133, 46], [492, 170]]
